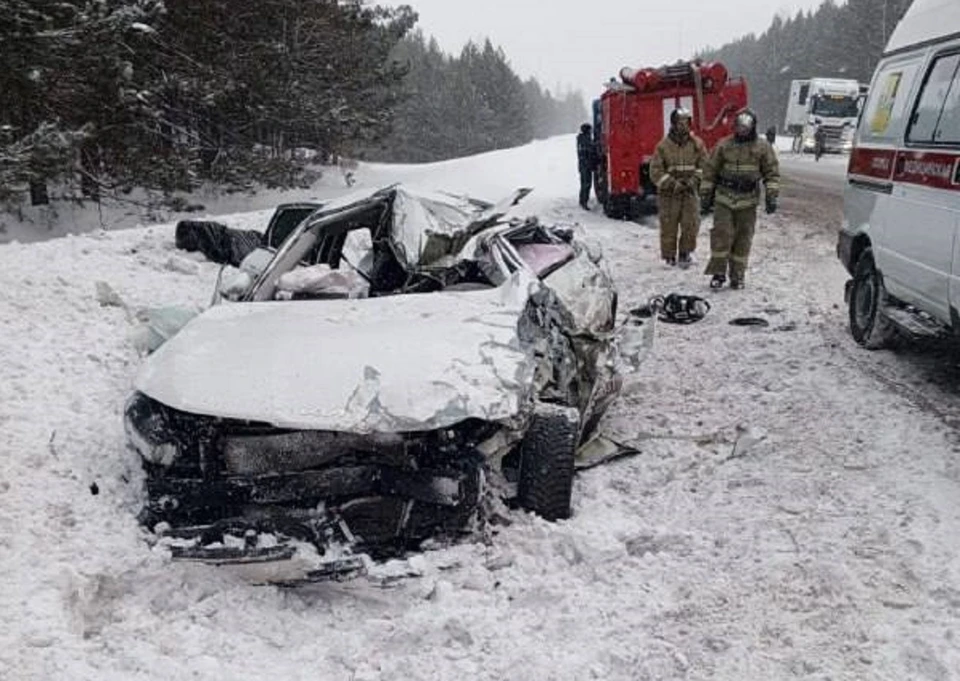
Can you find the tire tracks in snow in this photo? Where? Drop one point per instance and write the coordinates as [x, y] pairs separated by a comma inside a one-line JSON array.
[[926, 397]]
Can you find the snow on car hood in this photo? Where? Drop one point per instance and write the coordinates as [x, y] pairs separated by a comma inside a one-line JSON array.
[[391, 364]]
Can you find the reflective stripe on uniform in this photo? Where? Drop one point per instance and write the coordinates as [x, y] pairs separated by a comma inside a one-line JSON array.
[[682, 168], [736, 201], [739, 258], [666, 176]]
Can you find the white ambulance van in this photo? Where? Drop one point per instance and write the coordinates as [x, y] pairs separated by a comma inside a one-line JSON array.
[[900, 238]]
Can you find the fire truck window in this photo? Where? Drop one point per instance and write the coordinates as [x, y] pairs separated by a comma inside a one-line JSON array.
[[923, 124], [804, 91], [886, 104]]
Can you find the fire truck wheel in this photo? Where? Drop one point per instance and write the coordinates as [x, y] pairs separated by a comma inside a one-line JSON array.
[[600, 185]]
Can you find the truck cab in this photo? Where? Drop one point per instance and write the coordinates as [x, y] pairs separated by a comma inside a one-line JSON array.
[[831, 105]]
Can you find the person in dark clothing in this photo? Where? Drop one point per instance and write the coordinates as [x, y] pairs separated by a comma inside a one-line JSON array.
[[818, 142], [586, 162], [771, 135]]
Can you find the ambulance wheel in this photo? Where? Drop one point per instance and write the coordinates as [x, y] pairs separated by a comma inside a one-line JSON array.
[[869, 326]]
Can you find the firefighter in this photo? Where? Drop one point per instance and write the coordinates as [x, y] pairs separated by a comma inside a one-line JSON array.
[[586, 162], [771, 135], [677, 169], [731, 179]]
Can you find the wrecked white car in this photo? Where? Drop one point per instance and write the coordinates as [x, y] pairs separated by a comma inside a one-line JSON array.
[[369, 382]]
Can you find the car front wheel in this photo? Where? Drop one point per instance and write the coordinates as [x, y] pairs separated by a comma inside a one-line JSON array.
[[545, 485], [869, 326]]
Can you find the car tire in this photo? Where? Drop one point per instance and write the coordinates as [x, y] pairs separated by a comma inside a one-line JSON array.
[[868, 325], [545, 485]]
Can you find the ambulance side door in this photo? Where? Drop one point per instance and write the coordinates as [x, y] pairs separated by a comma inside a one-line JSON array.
[[922, 228], [868, 196]]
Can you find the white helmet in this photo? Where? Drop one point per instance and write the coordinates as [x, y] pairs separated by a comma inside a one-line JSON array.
[[678, 113]]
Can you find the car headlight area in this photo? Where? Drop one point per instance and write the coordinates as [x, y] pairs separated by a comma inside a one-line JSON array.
[[148, 430]]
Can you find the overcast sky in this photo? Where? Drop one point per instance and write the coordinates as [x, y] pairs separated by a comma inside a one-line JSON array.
[[580, 45]]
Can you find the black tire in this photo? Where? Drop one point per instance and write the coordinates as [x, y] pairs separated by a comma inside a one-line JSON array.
[[610, 209], [600, 183], [868, 325], [547, 456], [617, 207]]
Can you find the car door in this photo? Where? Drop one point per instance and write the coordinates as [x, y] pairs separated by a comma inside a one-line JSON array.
[[921, 234], [947, 142], [869, 197]]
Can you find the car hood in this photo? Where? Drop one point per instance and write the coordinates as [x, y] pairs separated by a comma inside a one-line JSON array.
[[392, 364]]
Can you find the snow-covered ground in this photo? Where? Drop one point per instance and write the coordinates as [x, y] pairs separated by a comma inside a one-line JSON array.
[[825, 550]]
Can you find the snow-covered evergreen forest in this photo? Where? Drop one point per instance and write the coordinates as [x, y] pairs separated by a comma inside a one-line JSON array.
[[102, 97]]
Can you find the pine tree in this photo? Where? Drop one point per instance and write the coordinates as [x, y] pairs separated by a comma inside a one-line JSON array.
[[837, 40]]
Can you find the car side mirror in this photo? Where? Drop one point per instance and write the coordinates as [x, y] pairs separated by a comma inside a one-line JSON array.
[[235, 286], [256, 261]]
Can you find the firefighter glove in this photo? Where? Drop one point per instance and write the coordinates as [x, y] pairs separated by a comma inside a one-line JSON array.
[[771, 204], [668, 184]]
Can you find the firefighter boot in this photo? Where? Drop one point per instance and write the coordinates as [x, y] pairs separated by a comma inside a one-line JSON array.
[[718, 281], [685, 261]]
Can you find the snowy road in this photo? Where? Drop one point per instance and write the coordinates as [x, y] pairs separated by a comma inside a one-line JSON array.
[[829, 173], [827, 549]]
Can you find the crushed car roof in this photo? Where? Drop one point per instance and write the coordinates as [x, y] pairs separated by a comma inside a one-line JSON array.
[[426, 225]]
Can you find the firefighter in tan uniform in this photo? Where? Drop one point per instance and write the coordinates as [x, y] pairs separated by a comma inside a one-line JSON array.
[[677, 169], [731, 180]]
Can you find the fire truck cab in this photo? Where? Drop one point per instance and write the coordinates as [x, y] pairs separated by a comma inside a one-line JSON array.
[[633, 115]]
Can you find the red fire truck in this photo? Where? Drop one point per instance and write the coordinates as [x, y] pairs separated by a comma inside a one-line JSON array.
[[632, 116]]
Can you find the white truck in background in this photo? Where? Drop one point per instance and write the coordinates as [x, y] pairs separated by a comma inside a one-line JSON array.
[[833, 104]]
